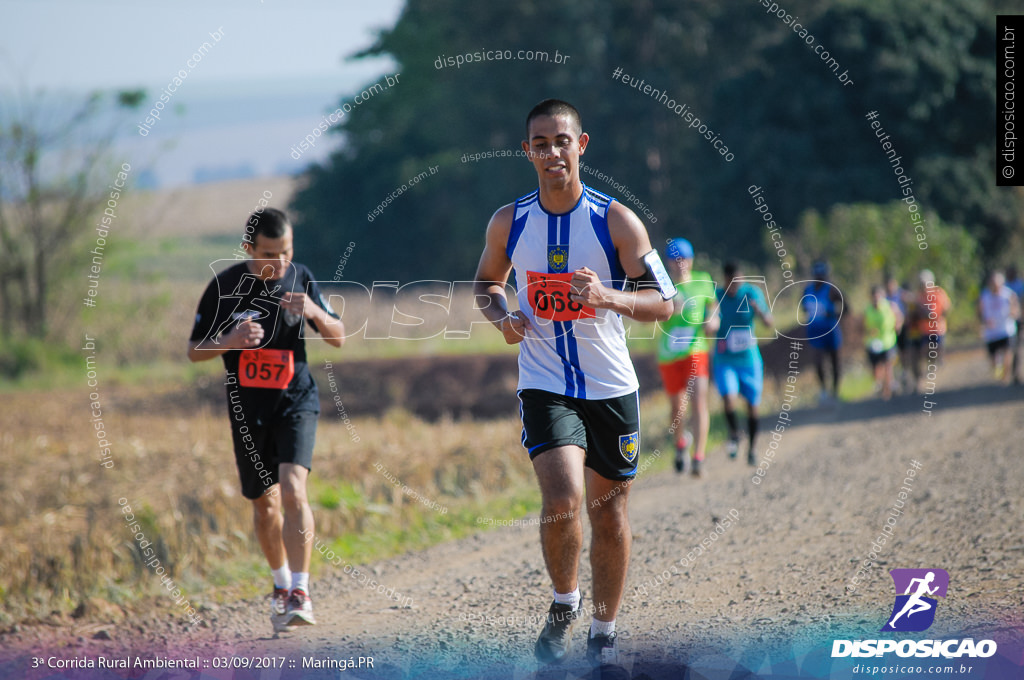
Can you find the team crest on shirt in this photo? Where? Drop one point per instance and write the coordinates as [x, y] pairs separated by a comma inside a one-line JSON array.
[[629, 446], [558, 259]]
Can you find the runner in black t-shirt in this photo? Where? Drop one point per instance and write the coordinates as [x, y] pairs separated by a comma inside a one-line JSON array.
[[252, 315]]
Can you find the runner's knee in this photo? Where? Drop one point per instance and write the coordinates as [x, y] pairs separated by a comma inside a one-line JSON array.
[[609, 517], [562, 503], [293, 485], [266, 508], [293, 495]]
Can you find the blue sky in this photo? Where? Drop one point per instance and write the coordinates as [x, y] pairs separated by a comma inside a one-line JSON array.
[[279, 66], [76, 44]]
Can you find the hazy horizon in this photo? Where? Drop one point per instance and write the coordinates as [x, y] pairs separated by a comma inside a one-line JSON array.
[[240, 108]]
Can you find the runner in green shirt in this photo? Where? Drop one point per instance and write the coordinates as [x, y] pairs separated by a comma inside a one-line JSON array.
[[683, 353], [882, 319]]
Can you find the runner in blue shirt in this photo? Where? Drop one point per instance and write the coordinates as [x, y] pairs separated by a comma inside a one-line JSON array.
[[823, 303], [1016, 284], [738, 367]]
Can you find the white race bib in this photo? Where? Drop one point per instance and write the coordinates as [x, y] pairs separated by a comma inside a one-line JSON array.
[[681, 337], [739, 339]]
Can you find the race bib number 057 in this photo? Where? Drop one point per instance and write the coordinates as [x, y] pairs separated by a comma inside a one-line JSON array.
[[270, 369], [549, 297]]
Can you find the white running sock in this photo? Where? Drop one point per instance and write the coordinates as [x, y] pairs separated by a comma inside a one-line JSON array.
[[572, 598], [282, 577], [601, 627], [300, 581]]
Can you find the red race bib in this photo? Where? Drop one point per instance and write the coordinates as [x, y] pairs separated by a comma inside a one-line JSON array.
[[271, 369], [549, 297]]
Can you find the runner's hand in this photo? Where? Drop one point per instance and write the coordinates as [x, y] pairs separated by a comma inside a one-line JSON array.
[[246, 335], [514, 327], [299, 303], [587, 288]]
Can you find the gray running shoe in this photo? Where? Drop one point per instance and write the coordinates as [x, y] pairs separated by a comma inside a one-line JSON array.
[[553, 643], [601, 650]]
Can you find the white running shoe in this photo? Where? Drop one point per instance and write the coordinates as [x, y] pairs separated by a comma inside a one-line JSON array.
[[300, 609]]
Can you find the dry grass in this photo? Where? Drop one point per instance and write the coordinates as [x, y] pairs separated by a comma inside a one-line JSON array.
[[67, 543], [65, 536], [201, 210]]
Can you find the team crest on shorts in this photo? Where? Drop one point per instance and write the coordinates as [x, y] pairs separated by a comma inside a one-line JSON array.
[[629, 446], [558, 259]]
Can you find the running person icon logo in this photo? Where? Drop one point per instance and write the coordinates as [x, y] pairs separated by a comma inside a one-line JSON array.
[[914, 610]]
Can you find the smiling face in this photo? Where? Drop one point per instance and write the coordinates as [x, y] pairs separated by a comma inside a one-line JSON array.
[[271, 257], [554, 147]]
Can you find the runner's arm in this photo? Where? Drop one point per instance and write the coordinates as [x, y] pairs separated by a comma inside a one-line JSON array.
[[838, 300], [712, 321], [760, 306], [329, 326], [492, 274], [204, 343], [898, 314], [631, 243], [244, 336]]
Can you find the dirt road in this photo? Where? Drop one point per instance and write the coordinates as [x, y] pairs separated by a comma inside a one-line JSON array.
[[768, 595]]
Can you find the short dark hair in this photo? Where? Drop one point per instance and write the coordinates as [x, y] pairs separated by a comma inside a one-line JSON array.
[[730, 269], [269, 222], [555, 107]]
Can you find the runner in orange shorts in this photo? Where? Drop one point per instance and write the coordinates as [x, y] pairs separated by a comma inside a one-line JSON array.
[[683, 353]]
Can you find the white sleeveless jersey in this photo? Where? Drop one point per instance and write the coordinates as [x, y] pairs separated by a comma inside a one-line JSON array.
[[587, 357], [995, 313]]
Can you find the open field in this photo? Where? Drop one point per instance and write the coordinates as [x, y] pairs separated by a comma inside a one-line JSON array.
[[418, 454], [444, 426], [782, 570]]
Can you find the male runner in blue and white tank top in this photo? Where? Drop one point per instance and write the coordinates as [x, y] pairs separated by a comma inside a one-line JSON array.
[[582, 261]]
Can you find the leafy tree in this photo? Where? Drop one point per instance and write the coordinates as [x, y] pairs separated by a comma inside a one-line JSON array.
[[434, 116], [795, 130], [866, 242], [928, 71], [52, 182]]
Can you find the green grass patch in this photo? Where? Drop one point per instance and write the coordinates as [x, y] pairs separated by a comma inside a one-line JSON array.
[[417, 527], [35, 364], [178, 258], [856, 385]]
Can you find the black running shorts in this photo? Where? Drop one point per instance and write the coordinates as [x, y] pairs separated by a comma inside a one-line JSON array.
[[260, 448], [607, 429], [995, 346]]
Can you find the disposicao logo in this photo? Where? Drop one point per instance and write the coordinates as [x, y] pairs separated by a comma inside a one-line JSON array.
[[914, 611]]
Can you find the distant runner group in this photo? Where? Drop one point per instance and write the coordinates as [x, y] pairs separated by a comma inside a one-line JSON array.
[[900, 327]]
